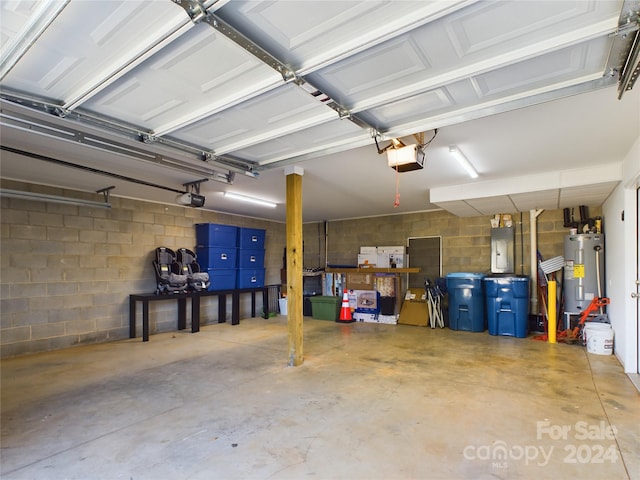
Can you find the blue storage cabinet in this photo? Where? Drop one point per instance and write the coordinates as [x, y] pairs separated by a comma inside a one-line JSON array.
[[216, 235], [466, 301], [507, 301]]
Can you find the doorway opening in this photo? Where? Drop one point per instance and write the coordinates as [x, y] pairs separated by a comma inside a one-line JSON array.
[[425, 253]]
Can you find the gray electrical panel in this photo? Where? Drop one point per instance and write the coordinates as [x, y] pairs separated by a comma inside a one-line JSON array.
[[502, 250]]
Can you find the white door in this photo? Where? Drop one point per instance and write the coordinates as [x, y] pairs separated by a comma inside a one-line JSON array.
[[638, 275]]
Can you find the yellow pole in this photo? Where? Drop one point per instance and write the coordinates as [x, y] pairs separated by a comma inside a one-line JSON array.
[[294, 265], [551, 308]]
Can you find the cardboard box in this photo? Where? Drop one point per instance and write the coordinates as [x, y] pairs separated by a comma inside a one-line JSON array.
[[397, 260], [368, 250], [388, 319], [383, 260], [367, 301], [372, 318], [414, 309], [364, 317], [386, 285], [359, 281], [367, 259], [396, 250]]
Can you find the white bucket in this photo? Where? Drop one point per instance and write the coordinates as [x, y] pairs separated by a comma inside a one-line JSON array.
[[599, 338], [283, 306]]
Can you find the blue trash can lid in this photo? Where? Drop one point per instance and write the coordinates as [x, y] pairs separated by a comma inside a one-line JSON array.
[[465, 275], [506, 276]]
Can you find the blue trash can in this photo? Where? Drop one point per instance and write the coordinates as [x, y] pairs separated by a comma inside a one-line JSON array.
[[507, 305], [466, 301]]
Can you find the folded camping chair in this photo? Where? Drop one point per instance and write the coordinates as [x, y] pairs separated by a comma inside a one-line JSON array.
[[198, 280], [434, 305], [168, 275]]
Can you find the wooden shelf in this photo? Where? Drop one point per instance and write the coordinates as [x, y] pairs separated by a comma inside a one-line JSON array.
[[372, 270], [312, 274]]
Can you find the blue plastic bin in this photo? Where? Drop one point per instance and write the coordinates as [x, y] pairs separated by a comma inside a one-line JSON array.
[[507, 305], [250, 258], [250, 278], [222, 279], [217, 257], [216, 235], [252, 238], [466, 301]]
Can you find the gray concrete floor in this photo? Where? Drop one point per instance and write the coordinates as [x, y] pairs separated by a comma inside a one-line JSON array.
[[370, 401]]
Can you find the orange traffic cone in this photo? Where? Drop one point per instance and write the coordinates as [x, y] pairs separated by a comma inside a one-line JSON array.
[[345, 311]]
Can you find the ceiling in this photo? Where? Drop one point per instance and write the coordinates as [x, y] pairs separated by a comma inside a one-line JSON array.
[[158, 97]]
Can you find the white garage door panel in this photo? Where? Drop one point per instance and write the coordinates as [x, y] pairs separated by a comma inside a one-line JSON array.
[[410, 109], [312, 139], [285, 109], [442, 52], [307, 34], [582, 62], [13, 18], [106, 35], [575, 62], [473, 31], [390, 64], [192, 81]]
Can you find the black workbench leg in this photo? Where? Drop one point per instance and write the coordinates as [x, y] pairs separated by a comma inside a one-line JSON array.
[[235, 308], [222, 308], [132, 318], [195, 314], [182, 313], [265, 302], [145, 320]]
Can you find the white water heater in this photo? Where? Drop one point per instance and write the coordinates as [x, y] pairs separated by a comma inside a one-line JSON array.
[[583, 271]]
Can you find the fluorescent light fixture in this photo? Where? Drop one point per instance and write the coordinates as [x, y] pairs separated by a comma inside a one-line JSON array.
[[244, 198], [404, 159], [462, 160], [41, 197]]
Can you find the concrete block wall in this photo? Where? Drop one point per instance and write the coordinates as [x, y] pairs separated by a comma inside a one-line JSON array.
[[67, 271], [466, 241]]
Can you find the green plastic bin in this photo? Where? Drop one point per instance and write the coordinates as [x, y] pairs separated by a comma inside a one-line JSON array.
[[325, 308]]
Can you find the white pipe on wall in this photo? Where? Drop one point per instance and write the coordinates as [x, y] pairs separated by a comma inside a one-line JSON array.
[[533, 233]]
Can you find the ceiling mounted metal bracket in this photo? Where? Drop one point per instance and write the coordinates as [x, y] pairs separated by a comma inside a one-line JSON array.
[[624, 56], [57, 111], [196, 10], [105, 191], [194, 187], [148, 138]]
